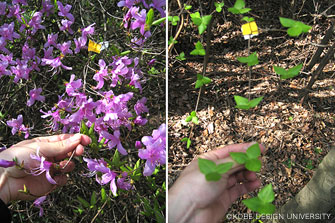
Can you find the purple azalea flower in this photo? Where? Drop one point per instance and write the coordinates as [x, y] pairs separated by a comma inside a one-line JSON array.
[[55, 118], [52, 40], [151, 62], [55, 63], [108, 175], [35, 22], [85, 111], [140, 120], [155, 150], [44, 166], [3, 44], [89, 30], [135, 81], [140, 106], [3, 6], [139, 21], [15, 11], [64, 11], [126, 3], [115, 141], [27, 52], [47, 55], [3, 68], [35, 96], [73, 86], [80, 44], [99, 76], [138, 145], [66, 25], [38, 203], [47, 7], [122, 184], [15, 124], [23, 2], [65, 48], [6, 163], [7, 32], [158, 4]]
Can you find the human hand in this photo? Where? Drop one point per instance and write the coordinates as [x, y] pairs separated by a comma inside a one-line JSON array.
[[55, 149], [193, 199]]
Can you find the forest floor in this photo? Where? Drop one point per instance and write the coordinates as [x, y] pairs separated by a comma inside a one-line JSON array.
[[297, 135]]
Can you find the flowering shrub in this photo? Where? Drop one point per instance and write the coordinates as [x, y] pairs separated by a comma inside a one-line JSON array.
[[47, 63]]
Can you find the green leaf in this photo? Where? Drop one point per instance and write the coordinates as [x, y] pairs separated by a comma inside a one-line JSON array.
[[255, 204], [254, 102], [295, 30], [199, 49], [187, 7], [206, 166], [254, 151], [196, 19], [244, 10], [83, 128], [103, 195], [93, 199], [253, 165], [149, 19], [188, 140], [189, 118], [239, 157], [251, 60], [193, 113], [91, 130], [266, 194], [294, 71], [195, 120], [159, 21], [213, 176], [218, 6], [233, 10], [83, 202], [279, 70], [188, 145], [116, 159], [174, 20], [224, 167], [286, 22], [181, 56], [247, 19], [239, 4], [172, 40], [202, 80]]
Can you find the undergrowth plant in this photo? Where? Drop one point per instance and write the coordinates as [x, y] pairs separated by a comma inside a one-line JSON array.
[[263, 202], [99, 86]]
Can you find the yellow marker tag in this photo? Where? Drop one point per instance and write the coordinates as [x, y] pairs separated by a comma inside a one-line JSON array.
[[249, 30], [94, 47]]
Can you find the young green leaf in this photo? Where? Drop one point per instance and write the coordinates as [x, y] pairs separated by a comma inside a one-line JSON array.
[[218, 6], [93, 199], [250, 60], [224, 167], [181, 56], [213, 176], [103, 195], [206, 166], [199, 49], [187, 7], [174, 20], [239, 157], [172, 41], [149, 19], [244, 103], [83, 202], [201, 22], [266, 194], [159, 21], [295, 27], [254, 151], [290, 73], [247, 19], [202, 80], [188, 142], [253, 165], [262, 203], [239, 8]]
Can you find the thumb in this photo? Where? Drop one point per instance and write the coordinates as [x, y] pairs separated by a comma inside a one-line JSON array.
[[59, 148]]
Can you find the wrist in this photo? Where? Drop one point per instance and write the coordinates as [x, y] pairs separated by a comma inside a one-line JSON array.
[[4, 190]]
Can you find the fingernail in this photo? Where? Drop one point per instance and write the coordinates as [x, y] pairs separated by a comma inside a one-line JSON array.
[[74, 138]]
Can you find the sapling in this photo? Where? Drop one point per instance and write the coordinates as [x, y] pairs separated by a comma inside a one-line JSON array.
[[290, 73], [212, 171], [295, 28]]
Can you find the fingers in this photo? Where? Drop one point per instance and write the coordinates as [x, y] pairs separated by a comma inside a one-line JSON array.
[[60, 148], [240, 189], [240, 177], [61, 180], [223, 152], [68, 168]]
